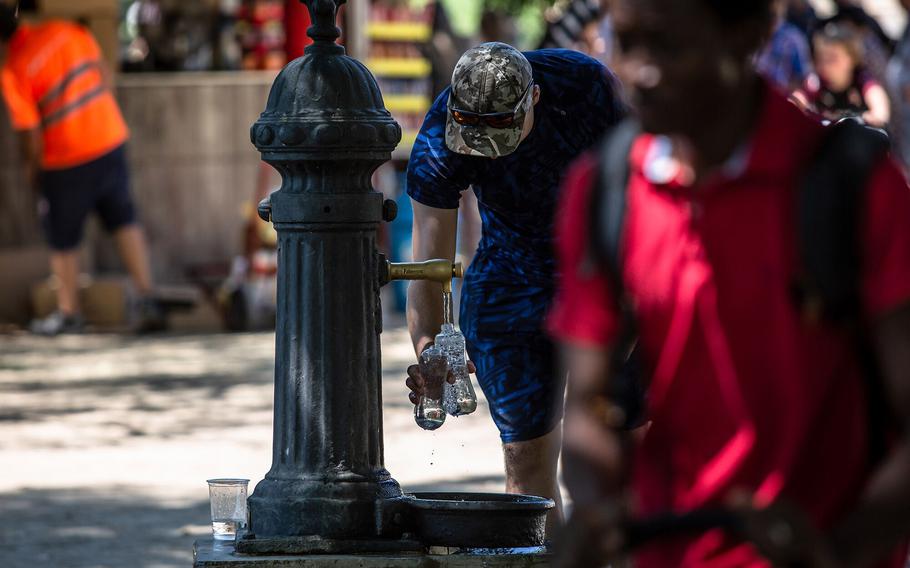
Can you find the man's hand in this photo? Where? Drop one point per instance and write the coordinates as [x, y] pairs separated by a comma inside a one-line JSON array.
[[33, 178], [433, 236], [30, 147], [594, 462], [594, 450], [416, 383]]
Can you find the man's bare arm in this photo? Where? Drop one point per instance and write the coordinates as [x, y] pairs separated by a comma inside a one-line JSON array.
[[593, 452], [882, 519], [30, 153], [433, 237]]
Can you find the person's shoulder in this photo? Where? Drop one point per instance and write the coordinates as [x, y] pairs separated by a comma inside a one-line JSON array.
[[785, 138], [21, 45], [38, 36], [560, 54], [55, 27], [434, 122], [559, 58], [430, 145], [570, 73], [441, 100]]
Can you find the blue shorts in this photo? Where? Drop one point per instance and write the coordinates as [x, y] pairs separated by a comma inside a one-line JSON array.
[[516, 361], [101, 185]]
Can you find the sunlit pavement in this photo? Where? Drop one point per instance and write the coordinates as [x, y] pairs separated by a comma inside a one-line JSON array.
[[106, 441]]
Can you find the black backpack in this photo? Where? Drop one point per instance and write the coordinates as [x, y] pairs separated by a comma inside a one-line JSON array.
[[827, 290]]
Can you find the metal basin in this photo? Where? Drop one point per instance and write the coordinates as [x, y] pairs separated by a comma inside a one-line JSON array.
[[479, 520]]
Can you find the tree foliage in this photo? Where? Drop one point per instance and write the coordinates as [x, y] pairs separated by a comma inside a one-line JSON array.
[[519, 6]]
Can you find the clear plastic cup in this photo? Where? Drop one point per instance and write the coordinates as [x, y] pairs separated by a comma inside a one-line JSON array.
[[228, 501]]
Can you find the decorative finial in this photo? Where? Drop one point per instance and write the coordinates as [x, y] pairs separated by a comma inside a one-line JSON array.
[[322, 15]]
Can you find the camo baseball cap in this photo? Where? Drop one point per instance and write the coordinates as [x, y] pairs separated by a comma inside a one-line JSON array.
[[489, 78]]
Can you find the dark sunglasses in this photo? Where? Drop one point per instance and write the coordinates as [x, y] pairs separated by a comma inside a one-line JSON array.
[[492, 119]]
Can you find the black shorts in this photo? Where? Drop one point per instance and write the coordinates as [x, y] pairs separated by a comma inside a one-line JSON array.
[[70, 194], [515, 359]]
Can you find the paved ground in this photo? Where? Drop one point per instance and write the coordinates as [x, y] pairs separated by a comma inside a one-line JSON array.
[[106, 442]]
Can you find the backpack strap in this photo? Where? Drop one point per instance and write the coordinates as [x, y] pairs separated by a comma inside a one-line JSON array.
[[828, 222], [608, 207], [607, 219]]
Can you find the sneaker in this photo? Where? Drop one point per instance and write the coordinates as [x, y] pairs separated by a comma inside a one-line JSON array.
[[151, 316], [57, 323]]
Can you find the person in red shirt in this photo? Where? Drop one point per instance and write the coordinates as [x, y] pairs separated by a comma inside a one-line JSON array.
[[746, 395], [73, 138]]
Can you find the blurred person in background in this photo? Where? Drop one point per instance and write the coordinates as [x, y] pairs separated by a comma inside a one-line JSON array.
[[582, 25], [444, 48], [899, 87], [507, 127], [756, 401], [73, 141], [801, 14], [786, 60], [574, 26], [498, 25], [875, 43], [841, 85], [852, 11]]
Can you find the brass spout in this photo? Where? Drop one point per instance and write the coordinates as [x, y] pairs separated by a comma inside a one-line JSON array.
[[438, 270]]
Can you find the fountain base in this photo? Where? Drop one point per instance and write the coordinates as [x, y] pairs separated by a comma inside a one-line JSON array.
[[210, 554], [320, 545]]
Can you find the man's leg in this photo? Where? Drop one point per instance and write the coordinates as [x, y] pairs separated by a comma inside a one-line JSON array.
[[118, 215], [65, 267], [531, 469], [516, 371], [134, 253], [63, 208], [66, 318]]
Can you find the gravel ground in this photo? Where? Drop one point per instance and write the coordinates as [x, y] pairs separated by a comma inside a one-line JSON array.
[[106, 442]]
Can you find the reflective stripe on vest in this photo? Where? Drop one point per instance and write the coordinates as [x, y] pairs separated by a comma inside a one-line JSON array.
[[63, 112], [65, 82], [49, 117]]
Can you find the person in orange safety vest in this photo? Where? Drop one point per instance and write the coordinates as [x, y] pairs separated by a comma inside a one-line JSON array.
[[73, 140]]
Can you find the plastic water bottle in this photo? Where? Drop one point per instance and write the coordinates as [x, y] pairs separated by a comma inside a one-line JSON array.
[[459, 397], [434, 368]]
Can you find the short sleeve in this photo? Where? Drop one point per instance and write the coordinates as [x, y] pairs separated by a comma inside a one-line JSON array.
[[886, 247], [436, 175], [584, 310], [23, 110]]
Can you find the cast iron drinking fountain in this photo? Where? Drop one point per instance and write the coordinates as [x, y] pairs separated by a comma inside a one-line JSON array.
[[326, 130]]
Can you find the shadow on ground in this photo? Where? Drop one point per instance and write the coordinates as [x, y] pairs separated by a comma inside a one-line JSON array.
[[83, 528], [111, 388], [90, 529]]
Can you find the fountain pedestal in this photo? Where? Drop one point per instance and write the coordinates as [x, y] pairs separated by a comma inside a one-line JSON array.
[[208, 554]]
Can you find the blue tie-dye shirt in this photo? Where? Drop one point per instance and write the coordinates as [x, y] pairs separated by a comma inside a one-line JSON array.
[[518, 193]]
